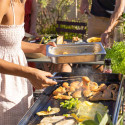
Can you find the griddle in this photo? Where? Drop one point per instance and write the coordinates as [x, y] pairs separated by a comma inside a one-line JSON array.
[[46, 99]]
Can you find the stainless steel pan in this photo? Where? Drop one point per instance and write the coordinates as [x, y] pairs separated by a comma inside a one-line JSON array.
[[76, 53]]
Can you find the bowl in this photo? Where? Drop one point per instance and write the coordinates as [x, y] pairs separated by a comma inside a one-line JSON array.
[[94, 39]]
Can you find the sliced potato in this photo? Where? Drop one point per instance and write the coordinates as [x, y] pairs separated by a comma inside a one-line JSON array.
[[53, 111]]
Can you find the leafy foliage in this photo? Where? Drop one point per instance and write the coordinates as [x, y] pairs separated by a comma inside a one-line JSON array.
[[117, 56], [44, 3], [52, 10], [122, 20], [123, 15]]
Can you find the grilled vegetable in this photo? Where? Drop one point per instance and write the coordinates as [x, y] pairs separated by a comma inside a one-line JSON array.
[[70, 104], [51, 112], [87, 110], [66, 115], [49, 109]]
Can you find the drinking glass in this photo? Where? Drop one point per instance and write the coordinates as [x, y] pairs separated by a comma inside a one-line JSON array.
[[118, 34]]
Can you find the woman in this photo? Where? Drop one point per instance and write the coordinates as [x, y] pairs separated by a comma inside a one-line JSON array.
[[16, 91]]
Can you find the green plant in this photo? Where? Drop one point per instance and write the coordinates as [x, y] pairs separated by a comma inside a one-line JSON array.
[[117, 56], [52, 10], [122, 19]]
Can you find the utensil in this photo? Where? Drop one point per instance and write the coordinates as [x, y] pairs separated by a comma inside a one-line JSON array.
[[64, 79], [61, 77], [76, 53], [29, 35]]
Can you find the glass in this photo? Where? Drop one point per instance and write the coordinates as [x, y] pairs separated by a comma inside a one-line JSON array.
[[107, 66], [107, 69], [118, 34]]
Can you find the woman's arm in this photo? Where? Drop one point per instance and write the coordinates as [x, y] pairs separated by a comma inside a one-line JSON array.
[[37, 77], [119, 8], [35, 48], [84, 6], [4, 5]]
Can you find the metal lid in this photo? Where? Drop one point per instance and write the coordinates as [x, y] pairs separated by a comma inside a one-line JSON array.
[[107, 61]]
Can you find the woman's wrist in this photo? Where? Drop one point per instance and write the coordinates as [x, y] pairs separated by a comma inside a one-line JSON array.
[[27, 72], [108, 31], [40, 48]]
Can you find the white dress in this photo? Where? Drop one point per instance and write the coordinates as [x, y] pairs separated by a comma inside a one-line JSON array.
[[15, 92]]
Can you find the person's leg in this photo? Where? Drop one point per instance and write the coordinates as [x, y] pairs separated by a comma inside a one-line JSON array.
[[50, 67], [65, 68]]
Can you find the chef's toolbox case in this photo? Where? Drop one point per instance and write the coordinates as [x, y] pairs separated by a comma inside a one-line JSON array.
[[46, 99]]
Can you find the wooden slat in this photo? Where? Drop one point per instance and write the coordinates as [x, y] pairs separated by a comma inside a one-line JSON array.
[[70, 30], [71, 23]]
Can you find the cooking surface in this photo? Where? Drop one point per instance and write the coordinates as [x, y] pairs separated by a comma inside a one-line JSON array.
[[99, 78], [46, 99]]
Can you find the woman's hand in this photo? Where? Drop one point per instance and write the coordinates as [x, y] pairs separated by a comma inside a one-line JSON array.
[[105, 39], [39, 80], [34, 33], [84, 7], [43, 47]]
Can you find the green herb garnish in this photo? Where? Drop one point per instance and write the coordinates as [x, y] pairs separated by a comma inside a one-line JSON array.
[[49, 108]]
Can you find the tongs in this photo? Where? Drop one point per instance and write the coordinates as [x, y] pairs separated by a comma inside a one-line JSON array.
[[62, 79]]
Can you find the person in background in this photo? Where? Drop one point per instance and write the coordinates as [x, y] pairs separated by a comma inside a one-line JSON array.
[[16, 78], [103, 17], [30, 21], [30, 27], [30, 17]]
